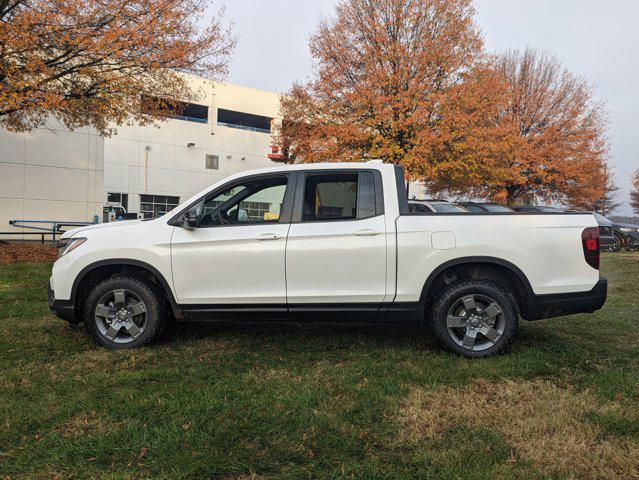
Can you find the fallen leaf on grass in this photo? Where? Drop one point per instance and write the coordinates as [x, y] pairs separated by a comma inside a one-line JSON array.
[[142, 453]]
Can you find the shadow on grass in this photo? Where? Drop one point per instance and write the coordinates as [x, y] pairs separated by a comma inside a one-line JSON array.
[[406, 335]]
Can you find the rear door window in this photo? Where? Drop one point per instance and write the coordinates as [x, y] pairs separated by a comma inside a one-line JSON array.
[[339, 196]]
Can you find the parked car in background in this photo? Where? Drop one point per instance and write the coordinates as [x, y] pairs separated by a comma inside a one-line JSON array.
[[474, 207], [434, 206], [607, 239], [626, 236], [537, 208]]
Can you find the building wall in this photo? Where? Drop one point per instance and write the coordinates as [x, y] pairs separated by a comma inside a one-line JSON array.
[[50, 174], [54, 174], [156, 160]]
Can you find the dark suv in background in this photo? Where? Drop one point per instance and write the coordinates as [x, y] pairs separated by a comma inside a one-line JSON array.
[[626, 236]]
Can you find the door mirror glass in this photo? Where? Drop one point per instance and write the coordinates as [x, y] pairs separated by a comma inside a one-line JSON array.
[[242, 216], [189, 219]]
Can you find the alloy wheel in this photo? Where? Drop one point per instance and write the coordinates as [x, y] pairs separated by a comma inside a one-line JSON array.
[[475, 322], [121, 316]]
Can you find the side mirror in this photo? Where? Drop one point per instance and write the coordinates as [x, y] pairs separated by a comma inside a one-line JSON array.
[[242, 216], [189, 220]]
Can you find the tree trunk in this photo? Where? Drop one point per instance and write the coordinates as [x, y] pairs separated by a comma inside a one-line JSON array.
[[511, 198]]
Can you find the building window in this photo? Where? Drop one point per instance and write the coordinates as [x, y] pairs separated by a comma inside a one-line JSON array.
[[213, 162], [154, 206], [261, 211], [244, 121], [191, 112], [114, 199]]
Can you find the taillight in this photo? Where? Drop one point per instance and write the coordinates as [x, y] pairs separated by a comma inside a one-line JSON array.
[[590, 242]]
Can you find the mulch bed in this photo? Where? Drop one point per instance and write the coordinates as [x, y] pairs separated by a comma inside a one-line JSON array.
[[30, 253]]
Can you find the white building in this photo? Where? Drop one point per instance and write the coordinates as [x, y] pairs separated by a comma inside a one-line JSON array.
[[56, 175], [227, 130], [52, 174]]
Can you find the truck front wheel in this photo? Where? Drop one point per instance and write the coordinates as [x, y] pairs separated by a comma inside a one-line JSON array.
[[124, 312], [475, 318]]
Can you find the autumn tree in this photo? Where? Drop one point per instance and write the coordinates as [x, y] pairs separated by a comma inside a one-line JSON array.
[[103, 62], [401, 80], [634, 194], [608, 202], [558, 151]]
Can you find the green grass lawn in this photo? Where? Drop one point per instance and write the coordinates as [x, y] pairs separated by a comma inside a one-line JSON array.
[[240, 401]]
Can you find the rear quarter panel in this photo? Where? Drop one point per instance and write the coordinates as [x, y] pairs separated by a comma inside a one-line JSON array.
[[545, 247]]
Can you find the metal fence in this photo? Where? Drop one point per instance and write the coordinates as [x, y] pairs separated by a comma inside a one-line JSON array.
[[53, 229]]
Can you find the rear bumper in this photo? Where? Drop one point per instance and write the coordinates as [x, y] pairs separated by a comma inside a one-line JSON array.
[[556, 305], [64, 309]]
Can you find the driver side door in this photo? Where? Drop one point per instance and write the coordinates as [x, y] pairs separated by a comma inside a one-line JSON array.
[[233, 263]]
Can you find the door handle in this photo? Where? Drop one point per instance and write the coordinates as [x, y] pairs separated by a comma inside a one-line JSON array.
[[268, 236], [366, 232]]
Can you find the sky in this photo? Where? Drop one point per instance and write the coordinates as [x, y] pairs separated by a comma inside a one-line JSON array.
[[592, 38]]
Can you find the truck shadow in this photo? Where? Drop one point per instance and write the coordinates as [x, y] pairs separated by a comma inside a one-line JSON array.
[[338, 335], [296, 333]]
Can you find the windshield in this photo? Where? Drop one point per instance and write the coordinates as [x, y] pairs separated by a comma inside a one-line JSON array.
[[550, 209], [414, 207], [601, 218], [497, 208], [448, 208]]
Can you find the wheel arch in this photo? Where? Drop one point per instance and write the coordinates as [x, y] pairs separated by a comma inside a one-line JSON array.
[[480, 267], [102, 269]]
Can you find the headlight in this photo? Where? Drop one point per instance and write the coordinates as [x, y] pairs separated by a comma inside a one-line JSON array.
[[68, 244], [629, 230]]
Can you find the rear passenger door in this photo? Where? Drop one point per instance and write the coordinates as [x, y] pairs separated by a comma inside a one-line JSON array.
[[336, 246]]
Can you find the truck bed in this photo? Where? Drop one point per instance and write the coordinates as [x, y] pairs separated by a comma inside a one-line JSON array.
[[545, 247]]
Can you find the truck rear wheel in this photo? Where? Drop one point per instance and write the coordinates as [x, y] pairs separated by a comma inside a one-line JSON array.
[[475, 318], [124, 312]]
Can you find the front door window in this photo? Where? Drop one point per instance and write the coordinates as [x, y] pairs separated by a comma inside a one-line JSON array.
[[257, 201]]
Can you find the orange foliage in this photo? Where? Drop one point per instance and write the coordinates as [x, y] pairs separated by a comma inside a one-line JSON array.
[[634, 194], [400, 80], [559, 149], [607, 203], [545, 139], [407, 81], [92, 62]]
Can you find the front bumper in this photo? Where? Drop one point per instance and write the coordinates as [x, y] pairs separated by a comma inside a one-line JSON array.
[[64, 309], [630, 240], [557, 305]]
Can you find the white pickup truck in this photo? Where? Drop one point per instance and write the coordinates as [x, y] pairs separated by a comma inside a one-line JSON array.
[[328, 242]]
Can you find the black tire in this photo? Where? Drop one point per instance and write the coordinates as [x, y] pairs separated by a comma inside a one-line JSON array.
[[616, 247], [150, 327], [477, 320]]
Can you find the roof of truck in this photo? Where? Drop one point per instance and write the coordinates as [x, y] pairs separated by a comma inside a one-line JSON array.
[[316, 166]]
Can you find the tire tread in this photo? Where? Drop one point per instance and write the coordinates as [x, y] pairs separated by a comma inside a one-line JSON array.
[[155, 305], [439, 314]]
